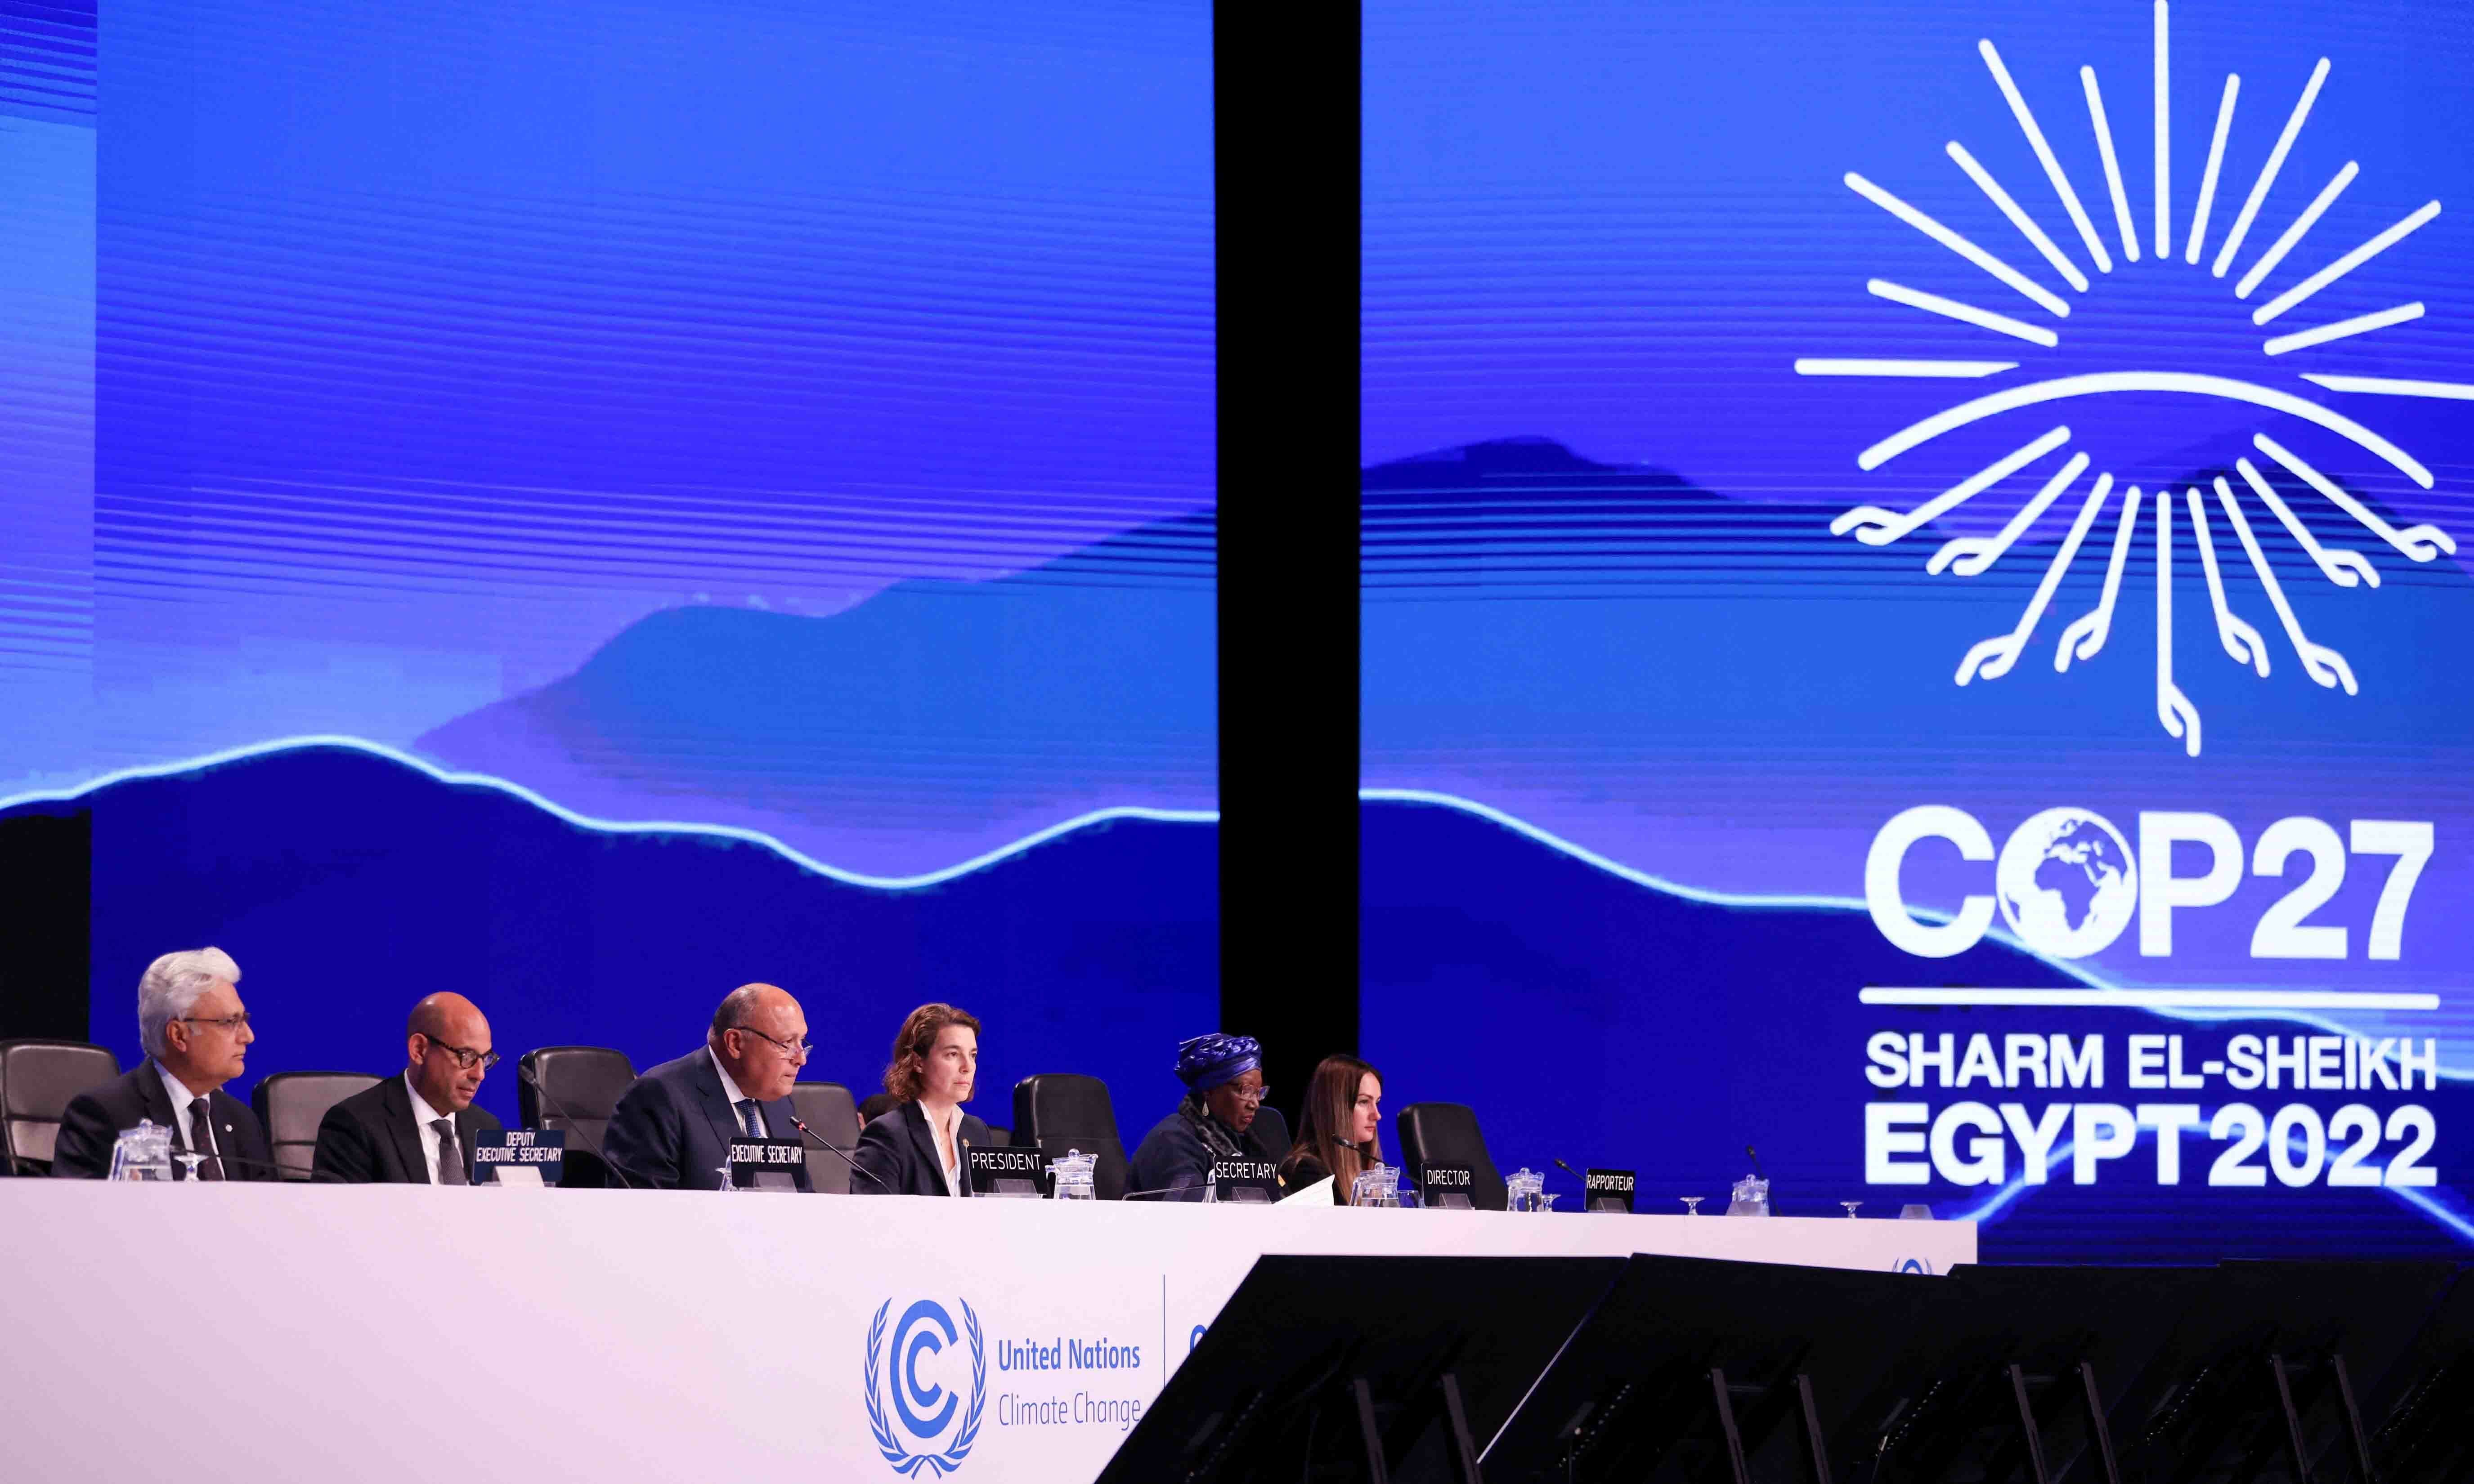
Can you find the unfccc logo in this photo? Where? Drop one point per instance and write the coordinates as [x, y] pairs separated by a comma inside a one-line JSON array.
[[925, 1406], [2280, 489]]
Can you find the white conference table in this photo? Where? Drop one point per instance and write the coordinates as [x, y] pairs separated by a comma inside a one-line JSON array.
[[392, 1333]]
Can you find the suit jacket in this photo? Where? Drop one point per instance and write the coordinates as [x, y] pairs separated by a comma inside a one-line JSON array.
[[371, 1138], [899, 1150], [671, 1130], [94, 1120]]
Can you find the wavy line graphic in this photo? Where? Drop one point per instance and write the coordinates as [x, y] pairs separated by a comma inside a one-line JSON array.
[[1616, 867], [513, 790]]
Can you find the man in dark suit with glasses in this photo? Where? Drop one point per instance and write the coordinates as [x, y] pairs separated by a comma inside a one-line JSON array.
[[415, 1129], [672, 1129], [197, 1037]]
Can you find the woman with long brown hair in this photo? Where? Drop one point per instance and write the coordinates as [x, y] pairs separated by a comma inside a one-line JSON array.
[[916, 1148], [1336, 1130]]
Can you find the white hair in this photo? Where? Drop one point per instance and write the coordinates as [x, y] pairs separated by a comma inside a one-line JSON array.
[[170, 988]]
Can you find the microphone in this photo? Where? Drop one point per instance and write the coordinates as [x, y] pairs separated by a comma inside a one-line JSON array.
[[531, 1077], [1575, 1174], [801, 1125], [1754, 1155]]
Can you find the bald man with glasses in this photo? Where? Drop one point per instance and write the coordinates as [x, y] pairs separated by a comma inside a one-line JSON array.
[[417, 1128], [672, 1129]]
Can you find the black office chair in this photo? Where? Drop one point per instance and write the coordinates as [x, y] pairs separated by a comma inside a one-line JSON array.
[[998, 1139], [826, 1108], [1056, 1111], [291, 1105], [875, 1106], [1446, 1134], [584, 1085], [37, 1078], [1272, 1132]]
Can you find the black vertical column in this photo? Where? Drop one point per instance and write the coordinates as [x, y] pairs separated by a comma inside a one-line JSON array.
[[1286, 155], [45, 913]]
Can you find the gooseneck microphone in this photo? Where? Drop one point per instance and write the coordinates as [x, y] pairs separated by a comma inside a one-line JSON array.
[[531, 1077], [822, 1143]]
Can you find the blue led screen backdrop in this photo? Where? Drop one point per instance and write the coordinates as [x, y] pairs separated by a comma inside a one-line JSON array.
[[1916, 568], [590, 508]]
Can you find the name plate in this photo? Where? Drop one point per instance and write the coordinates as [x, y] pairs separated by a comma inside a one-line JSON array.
[[1609, 1190], [766, 1163], [1246, 1182], [1447, 1187], [1005, 1171], [519, 1157]]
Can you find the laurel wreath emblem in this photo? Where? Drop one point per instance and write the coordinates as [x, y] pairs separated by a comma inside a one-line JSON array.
[[905, 1462]]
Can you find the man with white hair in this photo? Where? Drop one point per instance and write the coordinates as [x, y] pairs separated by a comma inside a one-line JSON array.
[[197, 1039]]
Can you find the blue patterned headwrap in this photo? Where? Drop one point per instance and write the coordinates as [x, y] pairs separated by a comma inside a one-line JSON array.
[[1207, 1061]]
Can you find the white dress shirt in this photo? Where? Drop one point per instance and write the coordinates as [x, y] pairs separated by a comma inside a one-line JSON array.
[[731, 1097], [954, 1168], [182, 1097], [423, 1116]]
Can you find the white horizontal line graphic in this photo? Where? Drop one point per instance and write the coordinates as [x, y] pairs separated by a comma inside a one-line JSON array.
[[2158, 999], [2098, 383], [2391, 386], [1816, 365]]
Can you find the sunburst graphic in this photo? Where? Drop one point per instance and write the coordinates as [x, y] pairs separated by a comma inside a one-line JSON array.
[[2194, 517]]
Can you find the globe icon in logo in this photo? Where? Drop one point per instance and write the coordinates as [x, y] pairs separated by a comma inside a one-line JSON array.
[[2067, 883]]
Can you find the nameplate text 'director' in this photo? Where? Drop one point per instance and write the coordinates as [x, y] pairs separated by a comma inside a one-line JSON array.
[[1446, 1186]]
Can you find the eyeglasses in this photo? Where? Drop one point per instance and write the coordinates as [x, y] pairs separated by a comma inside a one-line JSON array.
[[464, 1056], [798, 1052], [1253, 1095], [233, 1024]]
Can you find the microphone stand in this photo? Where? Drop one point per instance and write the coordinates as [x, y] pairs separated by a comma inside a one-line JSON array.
[[1576, 1174], [823, 1143], [532, 1079]]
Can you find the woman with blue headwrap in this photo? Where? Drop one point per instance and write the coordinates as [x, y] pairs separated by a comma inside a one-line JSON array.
[[1224, 1079]]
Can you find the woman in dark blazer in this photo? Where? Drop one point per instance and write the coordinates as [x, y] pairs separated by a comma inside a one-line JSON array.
[[918, 1148]]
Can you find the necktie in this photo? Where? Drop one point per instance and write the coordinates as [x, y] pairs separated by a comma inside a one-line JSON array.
[[750, 1119], [450, 1155], [201, 1139]]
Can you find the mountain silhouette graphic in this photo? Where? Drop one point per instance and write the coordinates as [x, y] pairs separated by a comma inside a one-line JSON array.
[[931, 722]]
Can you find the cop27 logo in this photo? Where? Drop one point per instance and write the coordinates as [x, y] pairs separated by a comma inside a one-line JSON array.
[[924, 1408], [2284, 488]]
